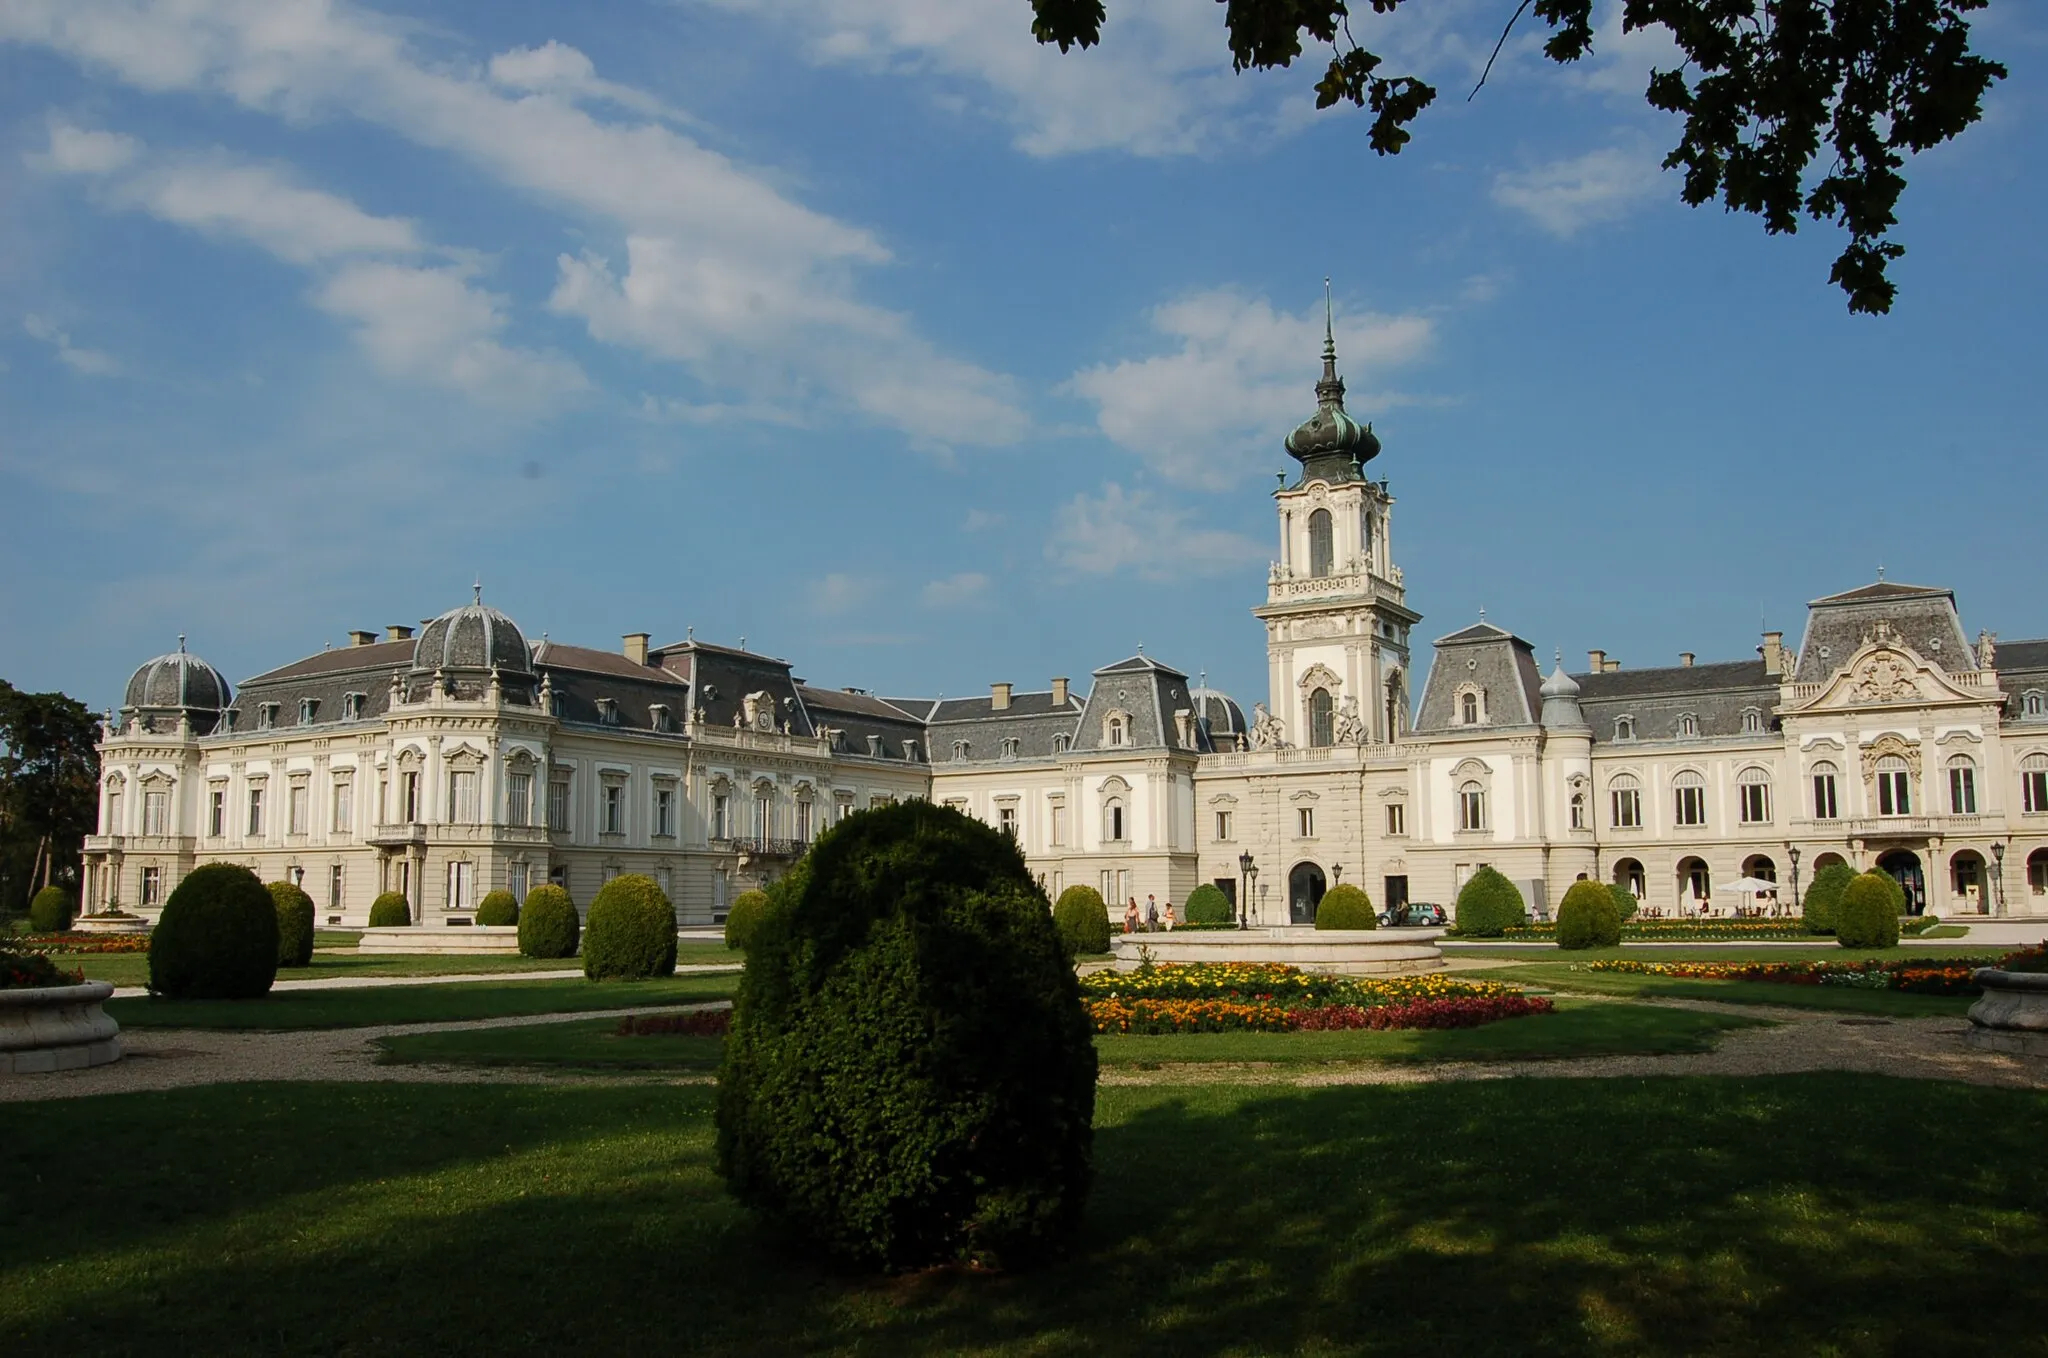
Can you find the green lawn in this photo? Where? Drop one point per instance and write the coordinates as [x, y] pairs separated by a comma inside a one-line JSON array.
[[1633, 985], [295, 1009], [133, 968], [1225, 1220], [591, 1044], [1733, 952]]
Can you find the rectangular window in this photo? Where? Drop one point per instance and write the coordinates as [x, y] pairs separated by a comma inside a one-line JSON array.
[[804, 813], [113, 813], [462, 797], [1578, 811], [764, 816], [2034, 791], [614, 809], [664, 812], [152, 886], [461, 886], [1894, 793], [1305, 817], [1006, 820], [217, 812], [1223, 825], [336, 877], [1824, 797], [156, 813], [558, 805], [409, 797], [295, 799], [1397, 818], [344, 805], [1756, 803], [1059, 824], [516, 876], [1962, 791], [518, 798], [1472, 809], [255, 811], [845, 808], [1692, 806], [1628, 808], [721, 815]]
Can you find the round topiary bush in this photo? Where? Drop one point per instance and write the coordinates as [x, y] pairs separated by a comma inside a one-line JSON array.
[[1489, 906], [1208, 905], [1625, 903], [1083, 920], [548, 926], [632, 931], [745, 916], [390, 911], [49, 911], [1587, 917], [498, 908], [1345, 906], [910, 1076], [294, 924], [1867, 916], [217, 939], [1818, 909]]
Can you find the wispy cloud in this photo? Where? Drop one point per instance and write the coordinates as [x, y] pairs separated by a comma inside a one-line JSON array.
[[91, 362], [955, 590], [1566, 196], [839, 593], [1135, 532]]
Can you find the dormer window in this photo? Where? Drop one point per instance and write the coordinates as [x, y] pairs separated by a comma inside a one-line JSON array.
[[1688, 726], [608, 711], [352, 706], [875, 746], [910, 751], [960, 750], [658, 717], [307, 707], [2032, 704], [1059, 744], [266, 716], [1010, 746], [1116, 732], [1469, 706], [1624, 728], [1752, 721]]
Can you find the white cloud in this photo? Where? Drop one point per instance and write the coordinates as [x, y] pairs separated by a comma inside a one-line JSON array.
[[840, 593], [91, 362], [1210, 412], [78, 150], [980, 520], [955, 590], [1568, 195], [1134, 532]]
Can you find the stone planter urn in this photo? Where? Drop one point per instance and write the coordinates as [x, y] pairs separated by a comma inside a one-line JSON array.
[[60, 1027], [2013, 1015]]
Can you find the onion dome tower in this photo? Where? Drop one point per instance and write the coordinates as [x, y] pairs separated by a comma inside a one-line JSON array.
[[1330, 445], [464, 647], [1560, 692], [173, 687]]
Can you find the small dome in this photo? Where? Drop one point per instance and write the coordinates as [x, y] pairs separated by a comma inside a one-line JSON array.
[[1332, 432], [472, 637], [1217, 712], [1561, 711], [1560, 684], [179, 681]]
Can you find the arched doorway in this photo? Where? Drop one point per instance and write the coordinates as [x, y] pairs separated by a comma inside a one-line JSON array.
[[1828, 860], [2037, 873], [1628, 875], [1968, 883], [1304, 893], [1904, 866], [1695, 886]]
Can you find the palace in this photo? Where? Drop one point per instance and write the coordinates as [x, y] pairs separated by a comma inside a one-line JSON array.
[[466, 758]]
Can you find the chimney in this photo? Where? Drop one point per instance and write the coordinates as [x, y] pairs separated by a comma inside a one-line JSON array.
[[1685, 659], [998, 697], [1059, 693], [1774, 653], [636, 647], [398, 631], [1596, 661], [362, 638], [1610, 666]]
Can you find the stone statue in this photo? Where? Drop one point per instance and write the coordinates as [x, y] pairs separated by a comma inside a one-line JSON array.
[[1267, 731], [1350, 727]]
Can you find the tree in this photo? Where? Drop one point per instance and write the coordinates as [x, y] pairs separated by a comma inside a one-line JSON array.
[[49, 790], [1765, 86]]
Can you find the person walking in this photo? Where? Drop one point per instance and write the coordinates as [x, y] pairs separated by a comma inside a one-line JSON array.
[[1131, 916], [1151, 913], [1169, 917]]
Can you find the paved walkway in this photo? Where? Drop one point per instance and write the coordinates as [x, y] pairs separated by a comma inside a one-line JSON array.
[[367, 982]]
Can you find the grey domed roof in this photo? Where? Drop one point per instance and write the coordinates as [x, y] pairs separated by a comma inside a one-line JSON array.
[[472, 637], [1560, 684], [179, 680], [1216, 710]]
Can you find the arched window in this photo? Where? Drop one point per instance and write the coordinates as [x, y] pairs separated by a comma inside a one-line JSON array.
[[1322, 550], [1688, 726], [1753, 795], [1365, 532], [2034, 784], [2037, 872], [1113, 820], [1468, 709], [1894, 786], [1962, 786], [1752, 721], [1578, 809], [1628, 875], [1322, 716], [1394, 706], [1059, 744], [1624, 728], [1116, 732], [2032, 704], [1689, 799], [1695, 882], [1472, 806], [1825, 806], [1625, 802]]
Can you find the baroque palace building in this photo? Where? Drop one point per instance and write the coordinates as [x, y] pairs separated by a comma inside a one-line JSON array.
[[466, 758]]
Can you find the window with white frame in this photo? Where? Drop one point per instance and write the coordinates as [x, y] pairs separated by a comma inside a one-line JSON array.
[[1397, 818], [2032, 704], [1322, 549], [1625, 802], [843, 805], [1009, 747], [1752, 721], [959, 750], [217, 812], [296, 798], [1116, 732], [255, 812], [1689, 799], [156, 811], [1060, 743], [558, 804], [1057, 810], [664, 812], [113, 825], [152, 886], [1825, 804], [2034, 784], [518, 798], [352, 706], [409, 796], [805, 811], [1468, 708], [1305, 821], [1894, 786], [721, 815], [1322, 718], [1688, 726], [461, 885], [1113, 826], [1223, 825], [307, 708], [337, 879], [614, 809], [1962, 786], [1472, 805], [344, 805], [1006, 820], [1753, 796], [1578, 809], [517, 875], [462, 797], [764, 812], [1624, 728]]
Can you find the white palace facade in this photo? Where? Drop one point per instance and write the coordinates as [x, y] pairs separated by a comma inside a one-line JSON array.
[[466, 758]]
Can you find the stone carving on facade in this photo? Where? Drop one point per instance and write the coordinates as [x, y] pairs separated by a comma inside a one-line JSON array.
[[1350, 727], [1886, 677], [1268, 732], [1890, 744]]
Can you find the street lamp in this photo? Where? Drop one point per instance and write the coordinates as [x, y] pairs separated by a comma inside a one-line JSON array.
[[1244, 921], [1793, 854], [1244, 890], [1336, 874], [1998, 873]]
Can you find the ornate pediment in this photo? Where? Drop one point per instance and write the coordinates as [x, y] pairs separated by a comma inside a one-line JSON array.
[[1885, 672]]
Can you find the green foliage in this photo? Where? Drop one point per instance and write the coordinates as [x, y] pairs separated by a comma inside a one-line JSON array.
[[1587, 917], [390, 911], [1208, 905], [1818, 908], [911, 1076], [49, 790], [744, 918], [632, 931], [1345, 906], [498, 908], [217, 939], [1488, 905], [548, 926], [1625, 902], [1868, 913], [50, 911], [1083, 920], [294, 924]]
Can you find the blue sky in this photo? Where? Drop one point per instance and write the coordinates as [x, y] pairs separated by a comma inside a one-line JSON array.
[[871, 332]]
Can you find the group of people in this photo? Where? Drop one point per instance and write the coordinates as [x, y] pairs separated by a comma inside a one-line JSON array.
[[1147, 922]]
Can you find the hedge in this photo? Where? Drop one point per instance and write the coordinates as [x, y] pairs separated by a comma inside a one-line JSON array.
[[744, 917], [631, 934], [1818, 908], [1345, 906], [1208, 905], [1625, 902], [910, 1077], [1587, 917], [1489, 904], [498, 908], [50, 912], [217, 939], [294, 924], [1082, 920], [1867, 916], [548, 926], [390, 911]]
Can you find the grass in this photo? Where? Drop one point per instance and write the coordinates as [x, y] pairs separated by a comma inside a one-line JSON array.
[[1839, 999], [591, 1044], [126, 969], [1734, 952], [298, 1009], [1225, 1220]]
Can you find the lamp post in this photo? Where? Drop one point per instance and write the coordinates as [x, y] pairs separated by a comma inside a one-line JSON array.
[[1244, 890], [1998, 873], [1243, 922], [1793, 854], [1336, 874]]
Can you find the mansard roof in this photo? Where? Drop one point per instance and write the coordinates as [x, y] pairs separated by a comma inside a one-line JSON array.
[[1716, 696], [867, 725], [1719, 677], [1497, 661], [1478, 631], [1918, 616]]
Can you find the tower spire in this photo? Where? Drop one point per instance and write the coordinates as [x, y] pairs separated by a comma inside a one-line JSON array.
[[1329, 391]]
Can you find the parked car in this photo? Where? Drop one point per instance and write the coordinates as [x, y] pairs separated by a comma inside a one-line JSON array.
[[1414, 915]]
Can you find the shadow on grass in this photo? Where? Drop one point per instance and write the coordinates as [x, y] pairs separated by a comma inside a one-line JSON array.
[[1781, 1215]]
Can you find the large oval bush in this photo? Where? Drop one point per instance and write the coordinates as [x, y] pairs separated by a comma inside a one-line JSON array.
[[1489, 906], [631, 933], [743, 918], [910, 1077], [1625, 903], [390, 911], [1082, 920], [548, 926], [1208, 905], [1587, 917], [294, 924], [498, 909], [49, 910], [217, 939], [1345, 906], [1817, 910], [1867, 916]]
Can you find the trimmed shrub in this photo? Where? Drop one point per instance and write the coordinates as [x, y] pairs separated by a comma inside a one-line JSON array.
[[1625, 903], [548, 926], [1867, 916], [390, 911], [1818, 909], [1083, 920], [1208, 905], [1489, 906], [498, 908], [294, 924], [1345, 906], [1587, 917], [911, 1076], [49, 912], [632, 931], [217, 939], [745, 916]]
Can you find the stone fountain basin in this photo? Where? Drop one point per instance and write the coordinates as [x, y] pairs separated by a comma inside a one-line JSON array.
[[2013, 1015], [52, 1028]]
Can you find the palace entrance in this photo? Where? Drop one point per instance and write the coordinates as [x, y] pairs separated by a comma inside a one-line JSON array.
[[1304, 893], [1904, 866]]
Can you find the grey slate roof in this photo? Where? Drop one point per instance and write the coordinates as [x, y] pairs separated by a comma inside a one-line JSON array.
[[326, 678], [1715, 695], [1151, 693], [1499, 662], [1033, 721], [1924, 618], [866, 725]]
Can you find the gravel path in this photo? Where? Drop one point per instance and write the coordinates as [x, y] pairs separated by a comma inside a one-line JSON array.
[[369, 982]]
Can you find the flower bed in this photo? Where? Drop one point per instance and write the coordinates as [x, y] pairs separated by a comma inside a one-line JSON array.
[[83, 944], [698, 1023], [1681, 930], [1220, 997], [33, 971], [1273, 982], [1952, 976]]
